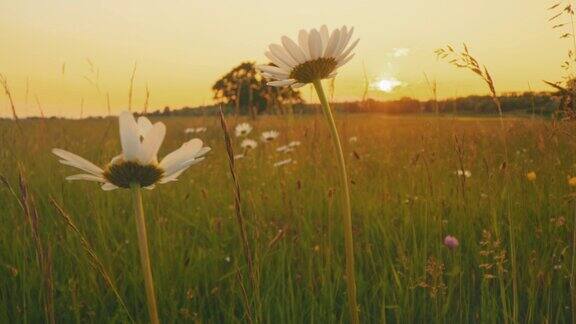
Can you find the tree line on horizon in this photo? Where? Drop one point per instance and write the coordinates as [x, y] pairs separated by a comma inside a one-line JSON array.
[[534, 103], [243, 91]]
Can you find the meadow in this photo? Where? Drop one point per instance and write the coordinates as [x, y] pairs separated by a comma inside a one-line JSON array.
[[514, 262]]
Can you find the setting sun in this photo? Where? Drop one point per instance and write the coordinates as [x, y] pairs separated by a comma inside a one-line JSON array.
[[388, 84]]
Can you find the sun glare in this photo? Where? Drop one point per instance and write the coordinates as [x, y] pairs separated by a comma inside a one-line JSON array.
[[388, 84]]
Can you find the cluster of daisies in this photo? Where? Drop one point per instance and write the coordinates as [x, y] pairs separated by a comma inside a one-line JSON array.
[[248, 144]]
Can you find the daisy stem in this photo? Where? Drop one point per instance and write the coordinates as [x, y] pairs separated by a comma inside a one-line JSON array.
[[346, 205], [144, 254]]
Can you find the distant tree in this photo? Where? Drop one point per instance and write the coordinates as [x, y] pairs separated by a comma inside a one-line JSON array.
[[166, 111], [245, 89]]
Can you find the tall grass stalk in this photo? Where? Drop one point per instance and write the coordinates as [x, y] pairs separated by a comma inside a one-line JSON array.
[[240, 219], [4, 83], [465, 60], [346, 205], [43, 250], [94, 260], [144, 253]]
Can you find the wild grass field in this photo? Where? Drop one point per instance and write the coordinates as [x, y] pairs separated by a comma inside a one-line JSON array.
[[514, 264]]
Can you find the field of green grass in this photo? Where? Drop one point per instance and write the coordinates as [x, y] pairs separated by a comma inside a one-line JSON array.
[[514, 264]]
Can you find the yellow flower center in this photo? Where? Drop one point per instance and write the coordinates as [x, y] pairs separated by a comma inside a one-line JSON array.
[[125, 173], [317, 69]]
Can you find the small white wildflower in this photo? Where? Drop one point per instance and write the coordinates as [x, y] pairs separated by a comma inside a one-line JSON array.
[[249, 144], [243, 129], [283, 162], [269, 136]]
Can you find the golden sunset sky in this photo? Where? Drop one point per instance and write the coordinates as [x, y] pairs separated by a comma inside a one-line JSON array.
[[182, 47]]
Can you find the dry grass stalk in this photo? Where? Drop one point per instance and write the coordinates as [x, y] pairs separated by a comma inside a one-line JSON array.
[[42, 115], [8, 93], [40, 107], [109, 109], [565, 89], [237, 197], [562, 10], [81, 108], [27, 91], [238, 205], [244, 296], [366, 84], [146, 99], [433, 86], [131, 89], [94, 260], [43, 252], [465, 60], [5, 182]]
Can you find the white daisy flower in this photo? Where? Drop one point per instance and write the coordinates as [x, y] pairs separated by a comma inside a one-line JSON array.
[[195, 130], [294, 143], [269, 136], [249, 144], [284, 149], [138, 163], [317, 55], [283, 162], [243, 129], [463, 173]]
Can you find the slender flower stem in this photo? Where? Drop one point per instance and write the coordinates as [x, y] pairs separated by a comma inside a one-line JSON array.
[[144, 254], [346, 209]]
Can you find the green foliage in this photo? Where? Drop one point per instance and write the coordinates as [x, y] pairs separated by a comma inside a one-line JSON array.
[[405, 199]]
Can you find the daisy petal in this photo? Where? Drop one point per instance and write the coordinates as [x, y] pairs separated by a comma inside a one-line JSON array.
[[152, 143], [272, 70], [344, 61], [281, 83], [281, 53], [346, 52], [293, 50], [108, 186], [144, 126], [345, 37], [78, 162], [129, 136], [315, 44], [332, 43], [277, 61], [303, 42], [298, 85], [87, 177], [187, 151], [324, 36]]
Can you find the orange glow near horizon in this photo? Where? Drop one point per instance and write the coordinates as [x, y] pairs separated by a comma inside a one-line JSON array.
[[69, 54]]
